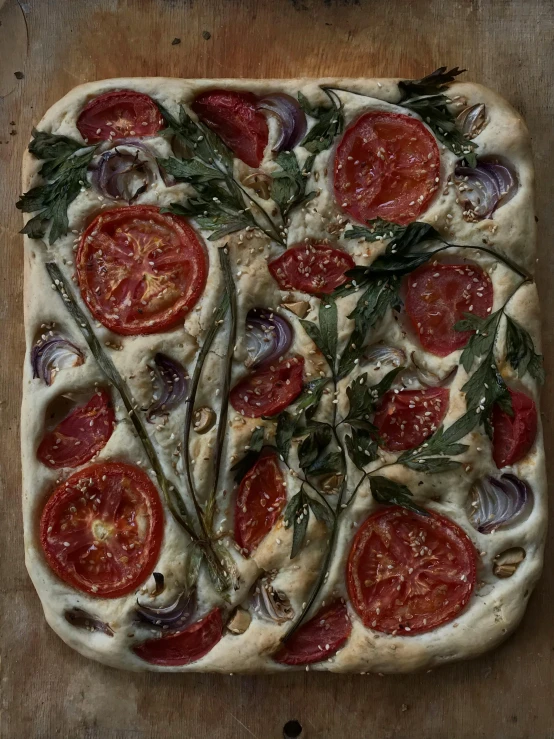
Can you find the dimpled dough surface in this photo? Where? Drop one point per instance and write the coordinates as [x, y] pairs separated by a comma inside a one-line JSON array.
[[496, 605]]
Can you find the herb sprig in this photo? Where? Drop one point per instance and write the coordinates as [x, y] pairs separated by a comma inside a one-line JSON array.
[[330, 121], [221, 204], [427, 98], [64, 170]]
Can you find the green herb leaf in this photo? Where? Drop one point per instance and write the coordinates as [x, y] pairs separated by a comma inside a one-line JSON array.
[[311, 396], [286, 426], [330, 122], [361, 446], [191, 170], [363, 398], [377, 230], [297, 513], [520, 351], [325, 464], [245, 464], [373, 304], [322, 342], [312, 446], [328, 329], [389, 492], [482, 340], [486, 387], [322, 512], [65, 171], [288, 188]]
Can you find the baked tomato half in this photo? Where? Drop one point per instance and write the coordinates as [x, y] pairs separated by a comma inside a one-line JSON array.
[[408, 573], [102, 529], [513, 436], [119, 114], [438, 296], [312, 268], [405, 419], [81, 434], [140, 271], [260, 500], [185, 646], [236, 120], [319, 638], [269, 390], [386, 166]]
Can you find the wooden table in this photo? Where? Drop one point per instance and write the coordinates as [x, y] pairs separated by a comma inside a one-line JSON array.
[[47, 47]]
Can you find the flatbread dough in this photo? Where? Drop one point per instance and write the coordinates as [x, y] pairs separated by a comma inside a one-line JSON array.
[[496, 606]]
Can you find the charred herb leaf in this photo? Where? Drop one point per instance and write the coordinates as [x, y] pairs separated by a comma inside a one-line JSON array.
[[520, 351], [376, 230], [390, 492], [330, 122], [485, 388], [482, 340], [286, 426], [324, 336], [363, 398], [312, 446], [361, 446], [297, 514], [65, 172], [427, 98]]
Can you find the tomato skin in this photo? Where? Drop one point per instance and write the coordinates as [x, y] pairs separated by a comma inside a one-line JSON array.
[[91, 425], [152, 264], [401, 419], [186, 646], [126, 110], [513, 436], [326, 268], [101, 530], [261, 488], [409, 574], [235, 119], [303, 648], [385, 167], [438, 296], [278, 386]]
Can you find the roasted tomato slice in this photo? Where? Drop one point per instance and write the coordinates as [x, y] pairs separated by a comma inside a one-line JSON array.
[[408, 573], [140, 271], [260, 500], [405, 419], [102, 529], [319, 638], [236, 120], [81, 434], [185, 646], [119, 114], [386, 166], [269, 390], [438, 295], [513, 436], [312, 268]]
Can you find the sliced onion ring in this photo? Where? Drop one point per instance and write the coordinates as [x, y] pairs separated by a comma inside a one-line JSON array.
[[495, 502], [170, 380], [472, 120], [271, 604], [485, 187], [290, 116], [83, 620], [382, 354], [172, 617], [126, 169], [53, 352], [268, 336]]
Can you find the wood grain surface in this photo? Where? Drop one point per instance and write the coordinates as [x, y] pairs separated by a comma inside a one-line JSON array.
[[49, 46]]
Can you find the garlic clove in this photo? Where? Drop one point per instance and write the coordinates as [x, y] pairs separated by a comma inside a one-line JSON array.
[[300, 308], [203, 419], [507, 562], [239, 621]]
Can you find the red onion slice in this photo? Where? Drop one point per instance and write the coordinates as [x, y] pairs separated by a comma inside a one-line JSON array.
[[170, 381], [496, 502], [173, 617], [269, 603], [52, 353], [268, 336], [83, 620], [290, 116], [472, 120], [485, 187], [126, 169]]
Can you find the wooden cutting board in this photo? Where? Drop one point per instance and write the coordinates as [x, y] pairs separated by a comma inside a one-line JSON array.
[[49, 46]]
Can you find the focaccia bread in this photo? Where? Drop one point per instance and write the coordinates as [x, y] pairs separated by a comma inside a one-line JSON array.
[[280, 396]]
